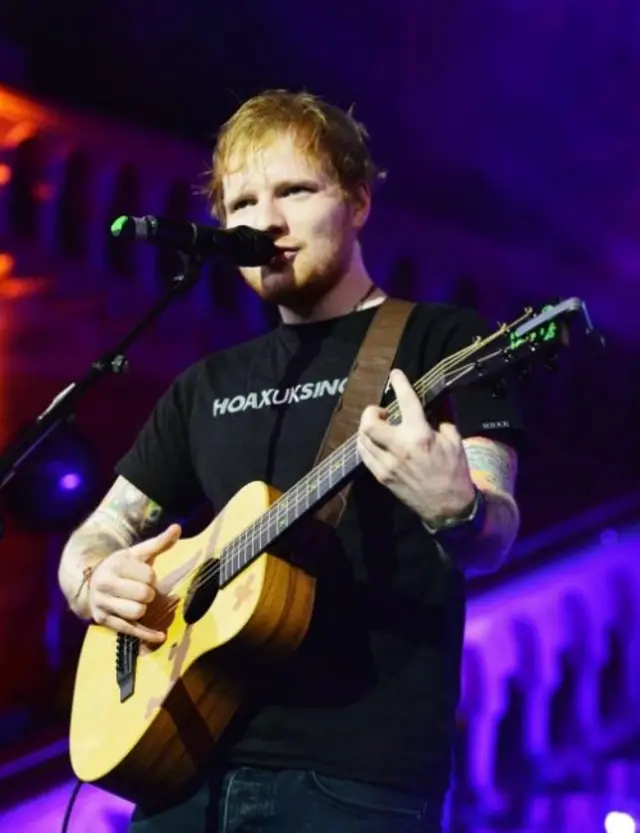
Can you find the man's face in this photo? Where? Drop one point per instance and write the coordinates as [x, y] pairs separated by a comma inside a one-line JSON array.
[[280, 190]]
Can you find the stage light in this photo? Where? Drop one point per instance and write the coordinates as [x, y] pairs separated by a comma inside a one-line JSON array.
[[57, 486], [7, 264], [69, 482], [616, 822]]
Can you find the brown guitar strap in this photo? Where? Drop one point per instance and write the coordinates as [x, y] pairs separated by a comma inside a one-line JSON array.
[[365, 386]]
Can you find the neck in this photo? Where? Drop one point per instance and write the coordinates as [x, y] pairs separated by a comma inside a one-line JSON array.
[[342, 298]]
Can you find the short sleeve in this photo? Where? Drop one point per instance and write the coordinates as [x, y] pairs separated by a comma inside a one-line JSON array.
[[159, 462], [476, 409]]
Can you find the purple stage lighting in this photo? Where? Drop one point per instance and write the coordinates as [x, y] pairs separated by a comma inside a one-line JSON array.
[[70, 482], [57, 485]]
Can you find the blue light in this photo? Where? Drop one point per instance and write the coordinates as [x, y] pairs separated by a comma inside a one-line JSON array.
[[57, 486]]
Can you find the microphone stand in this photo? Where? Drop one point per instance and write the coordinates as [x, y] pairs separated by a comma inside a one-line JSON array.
[[114, 361]]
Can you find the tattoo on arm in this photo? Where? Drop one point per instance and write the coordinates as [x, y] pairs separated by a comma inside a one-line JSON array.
[[95, 538], [493, 465], [493, 468], [134, 514], [123, 517]]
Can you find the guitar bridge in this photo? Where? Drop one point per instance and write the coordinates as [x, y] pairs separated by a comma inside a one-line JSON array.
[[127, 648]]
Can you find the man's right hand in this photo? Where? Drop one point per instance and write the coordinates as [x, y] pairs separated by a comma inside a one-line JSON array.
[[123, 585]]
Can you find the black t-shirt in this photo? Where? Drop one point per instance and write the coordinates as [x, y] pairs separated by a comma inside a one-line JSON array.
[[372, 692]]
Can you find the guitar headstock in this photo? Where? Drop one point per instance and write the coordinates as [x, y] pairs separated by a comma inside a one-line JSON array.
[[545, 332], [531, 338]]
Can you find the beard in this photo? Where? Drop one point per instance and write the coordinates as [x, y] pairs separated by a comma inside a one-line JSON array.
[[301, 290]]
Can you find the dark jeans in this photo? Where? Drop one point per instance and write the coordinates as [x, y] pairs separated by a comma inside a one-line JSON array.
[[294, 801]]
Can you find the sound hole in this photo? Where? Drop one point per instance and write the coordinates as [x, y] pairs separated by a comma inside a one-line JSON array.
[[202, 591]]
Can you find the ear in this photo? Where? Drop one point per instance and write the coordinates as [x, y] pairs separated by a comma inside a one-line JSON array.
[[361, 203]]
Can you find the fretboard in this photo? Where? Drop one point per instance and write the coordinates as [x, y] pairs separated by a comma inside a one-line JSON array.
[[305, 497]]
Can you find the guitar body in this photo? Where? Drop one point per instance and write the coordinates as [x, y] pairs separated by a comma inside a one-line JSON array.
[[187, 690]]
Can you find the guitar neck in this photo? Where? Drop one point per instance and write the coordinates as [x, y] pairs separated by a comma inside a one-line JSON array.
[[330, 475], [311, 491]]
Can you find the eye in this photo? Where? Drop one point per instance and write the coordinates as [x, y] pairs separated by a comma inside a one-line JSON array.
[[297, 189], [239, 204]]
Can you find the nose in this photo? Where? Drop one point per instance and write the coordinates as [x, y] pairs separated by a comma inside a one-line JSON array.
[[268, 217]]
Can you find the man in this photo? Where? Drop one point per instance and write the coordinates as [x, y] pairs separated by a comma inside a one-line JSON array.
[[357, 733]]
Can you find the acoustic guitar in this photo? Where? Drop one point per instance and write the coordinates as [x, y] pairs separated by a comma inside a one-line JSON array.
[[145, 720]]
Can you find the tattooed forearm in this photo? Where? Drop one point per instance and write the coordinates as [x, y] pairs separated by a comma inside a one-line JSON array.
[[493, 468], [493, 465], [123, 517], [131, 510], [500, 529], [94, 541], [488, 550]]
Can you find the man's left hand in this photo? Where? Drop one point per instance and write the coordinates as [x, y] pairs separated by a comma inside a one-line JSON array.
[[424, 467]]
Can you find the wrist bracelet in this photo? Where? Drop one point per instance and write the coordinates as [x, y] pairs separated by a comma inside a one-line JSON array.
[[454, 530], [86, 578]]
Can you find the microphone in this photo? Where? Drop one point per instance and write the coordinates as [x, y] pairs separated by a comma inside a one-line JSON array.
[[243, 245]]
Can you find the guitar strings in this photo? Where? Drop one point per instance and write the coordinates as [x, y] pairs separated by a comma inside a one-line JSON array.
[[430, 379]]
